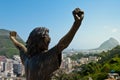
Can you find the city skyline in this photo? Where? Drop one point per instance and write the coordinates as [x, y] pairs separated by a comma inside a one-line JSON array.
[[101, 20]]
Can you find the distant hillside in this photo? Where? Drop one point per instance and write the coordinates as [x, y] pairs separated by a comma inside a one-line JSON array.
[[109, 63], [108, 45], [6, 46]]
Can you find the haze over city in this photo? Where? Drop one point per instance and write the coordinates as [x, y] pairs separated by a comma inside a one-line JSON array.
[[101, 20]]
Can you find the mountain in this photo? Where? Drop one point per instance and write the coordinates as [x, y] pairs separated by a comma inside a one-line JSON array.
[[108, 45], [6, 46], [105, 46]]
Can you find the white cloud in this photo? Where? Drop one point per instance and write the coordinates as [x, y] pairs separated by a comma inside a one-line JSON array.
[[114, 30], [111, 29]]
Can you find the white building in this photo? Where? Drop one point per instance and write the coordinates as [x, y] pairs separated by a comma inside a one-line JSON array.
[[66, 64], [93, 59], [17, 58], [83, 60], [10, 67]]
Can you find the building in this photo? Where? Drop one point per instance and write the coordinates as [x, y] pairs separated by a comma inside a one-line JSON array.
[[18, 68], [83, 60], [66, 65], [92, 59], [11, 67], [113, 76]]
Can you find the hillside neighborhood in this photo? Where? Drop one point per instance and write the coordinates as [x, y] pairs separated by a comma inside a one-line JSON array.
[[11, 67]]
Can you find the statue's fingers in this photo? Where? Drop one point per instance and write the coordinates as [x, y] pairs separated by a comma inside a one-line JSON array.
[[77, 17]]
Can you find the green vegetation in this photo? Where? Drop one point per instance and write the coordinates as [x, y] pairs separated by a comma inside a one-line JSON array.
[[110, 61], [6, 46]]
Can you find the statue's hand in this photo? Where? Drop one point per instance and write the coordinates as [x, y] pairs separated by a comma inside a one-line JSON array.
[[13, 34], [78, 14]]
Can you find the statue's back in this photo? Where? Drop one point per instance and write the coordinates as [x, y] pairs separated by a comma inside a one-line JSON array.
[[41, 66]]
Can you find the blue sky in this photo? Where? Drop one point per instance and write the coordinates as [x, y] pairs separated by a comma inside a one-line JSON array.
[[101, 20]]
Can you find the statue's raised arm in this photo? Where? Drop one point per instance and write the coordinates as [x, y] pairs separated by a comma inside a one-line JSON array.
[[16, 43], [22, 49], [40, 62], [65, 41]]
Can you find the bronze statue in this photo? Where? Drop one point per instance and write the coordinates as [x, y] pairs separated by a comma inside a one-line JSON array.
[[40, 62]]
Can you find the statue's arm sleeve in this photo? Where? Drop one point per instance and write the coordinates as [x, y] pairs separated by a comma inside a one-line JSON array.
[[23, 55], [18, 45], [66, 40], [54, 55], [22, 49], [53, 60]]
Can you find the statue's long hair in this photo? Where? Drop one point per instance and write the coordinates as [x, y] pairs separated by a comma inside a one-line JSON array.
[[38, 41]]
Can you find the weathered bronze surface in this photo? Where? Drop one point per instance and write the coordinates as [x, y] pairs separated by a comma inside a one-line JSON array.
[[40, 62]]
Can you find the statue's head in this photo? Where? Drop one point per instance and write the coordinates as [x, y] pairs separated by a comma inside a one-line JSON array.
[[38, 41]]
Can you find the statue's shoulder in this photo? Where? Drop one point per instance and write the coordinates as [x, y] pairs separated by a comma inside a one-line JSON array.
[[54, 50]]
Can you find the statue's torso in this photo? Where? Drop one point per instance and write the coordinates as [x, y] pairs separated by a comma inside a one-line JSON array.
[[41, 66]]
